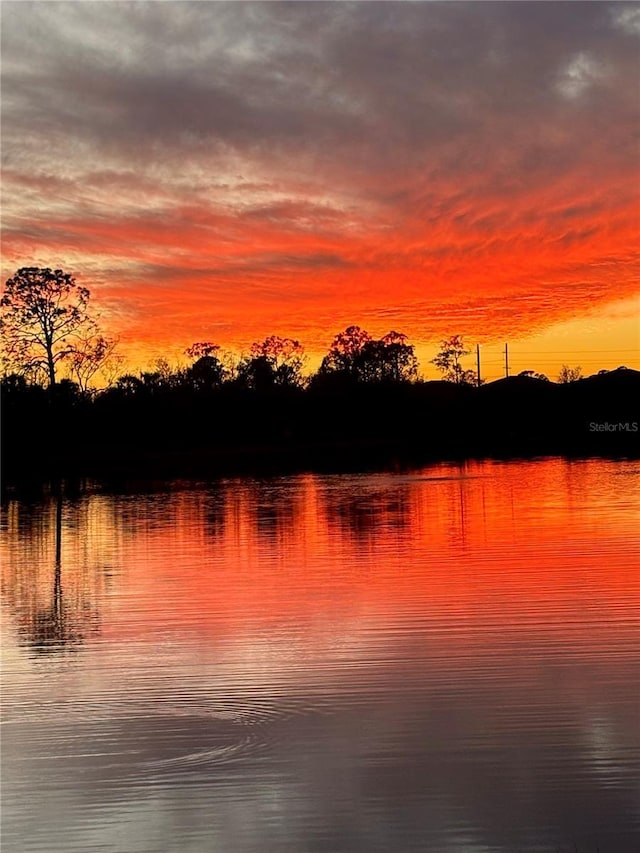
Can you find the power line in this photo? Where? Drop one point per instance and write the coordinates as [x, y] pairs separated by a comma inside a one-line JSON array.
[[516, 360], [554, 360], [573, 351]]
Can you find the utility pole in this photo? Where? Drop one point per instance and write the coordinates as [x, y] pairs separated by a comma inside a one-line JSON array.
[[506, 360], [478, 363]]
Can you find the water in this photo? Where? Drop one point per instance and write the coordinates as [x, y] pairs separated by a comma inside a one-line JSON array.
[[446, 660]]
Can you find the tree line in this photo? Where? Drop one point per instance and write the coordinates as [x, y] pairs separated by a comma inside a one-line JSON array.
[[364, 407], [49, 331]]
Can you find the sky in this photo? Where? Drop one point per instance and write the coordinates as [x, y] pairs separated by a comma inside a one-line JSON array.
[[227, 171]]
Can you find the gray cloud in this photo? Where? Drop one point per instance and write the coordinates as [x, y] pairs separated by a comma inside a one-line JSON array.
[[372, 79], [465, 126]]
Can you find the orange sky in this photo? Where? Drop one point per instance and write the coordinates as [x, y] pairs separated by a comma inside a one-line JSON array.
[[229, 171]]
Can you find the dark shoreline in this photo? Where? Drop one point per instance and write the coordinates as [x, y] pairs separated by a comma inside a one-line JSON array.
[[145, 468], [366, 428]]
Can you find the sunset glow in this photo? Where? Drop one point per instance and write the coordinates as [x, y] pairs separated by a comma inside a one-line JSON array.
[[245, 528], [227, 171]]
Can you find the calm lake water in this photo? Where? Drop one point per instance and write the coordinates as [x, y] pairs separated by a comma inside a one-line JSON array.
[[445, 660]]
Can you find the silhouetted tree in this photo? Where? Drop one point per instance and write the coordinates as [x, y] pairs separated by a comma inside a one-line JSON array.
[[355, 355], [43, 319], [201, 349], [207, 371], [152, 380], [161, 377], [255, 373], [286, 357], [344, 351], [448, 362], [112, 368], [91, 356], [391, 359], [274, 362], [569, 374]]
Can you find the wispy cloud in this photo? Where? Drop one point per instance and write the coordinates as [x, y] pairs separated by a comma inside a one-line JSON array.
[[263, 162]]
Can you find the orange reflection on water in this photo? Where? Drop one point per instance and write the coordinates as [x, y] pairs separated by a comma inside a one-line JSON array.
[[524, 549]]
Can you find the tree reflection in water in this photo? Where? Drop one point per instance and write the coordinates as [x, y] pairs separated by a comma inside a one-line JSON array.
[[55, 612]]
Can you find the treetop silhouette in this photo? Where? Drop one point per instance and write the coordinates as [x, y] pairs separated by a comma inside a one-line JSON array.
[[44, 319], [354, 354], [448, 362]]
